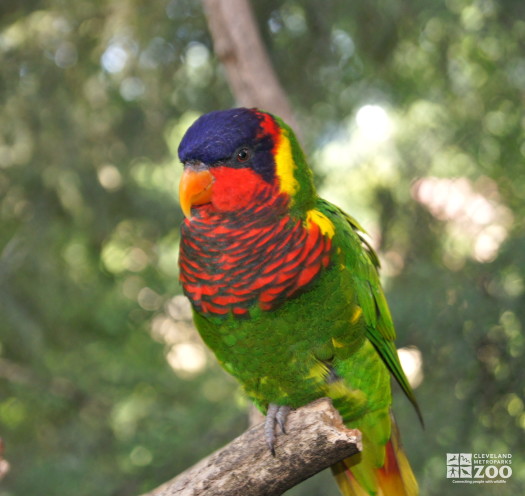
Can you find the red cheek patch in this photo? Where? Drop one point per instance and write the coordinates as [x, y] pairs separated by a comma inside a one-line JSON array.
[[235, 189]]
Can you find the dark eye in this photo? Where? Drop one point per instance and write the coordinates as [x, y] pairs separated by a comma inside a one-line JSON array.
[[243, 155]]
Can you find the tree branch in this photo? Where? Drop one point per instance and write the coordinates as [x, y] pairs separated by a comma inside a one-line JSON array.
[[238, 45], [316, 438]]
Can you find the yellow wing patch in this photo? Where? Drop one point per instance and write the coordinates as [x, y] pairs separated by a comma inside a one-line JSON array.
[[322, 221], [357, 315], [286, 165], [318, 371]]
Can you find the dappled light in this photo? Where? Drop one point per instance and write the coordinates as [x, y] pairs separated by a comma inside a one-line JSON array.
[[187, 358], [115, 56], [411, 116], [412, 361], [373, 123], [478, 223], [174, 328]]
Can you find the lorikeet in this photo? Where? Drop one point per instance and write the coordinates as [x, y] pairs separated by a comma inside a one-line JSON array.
[[285, 289]]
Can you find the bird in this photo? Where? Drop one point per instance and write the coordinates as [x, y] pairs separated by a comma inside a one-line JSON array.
[[285, 290]]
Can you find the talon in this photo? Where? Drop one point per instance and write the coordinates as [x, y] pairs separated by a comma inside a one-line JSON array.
[[281, 417], [275, 414], [269, 432]]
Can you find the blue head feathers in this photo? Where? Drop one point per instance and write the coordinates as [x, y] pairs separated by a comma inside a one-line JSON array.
[[213, 138]]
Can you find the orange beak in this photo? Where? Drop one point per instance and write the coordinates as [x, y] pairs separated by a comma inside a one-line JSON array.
[[194, 188]]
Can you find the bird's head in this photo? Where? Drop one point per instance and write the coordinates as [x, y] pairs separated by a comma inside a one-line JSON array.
[[235, 159]]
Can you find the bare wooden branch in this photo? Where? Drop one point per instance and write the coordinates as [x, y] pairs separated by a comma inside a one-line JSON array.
[[238, 45], [316, 438]]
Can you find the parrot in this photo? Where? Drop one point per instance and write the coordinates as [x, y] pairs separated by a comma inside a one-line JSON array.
[[285, 290]]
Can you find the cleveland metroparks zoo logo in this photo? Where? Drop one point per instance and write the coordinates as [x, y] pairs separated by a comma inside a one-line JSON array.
[[479, 468]]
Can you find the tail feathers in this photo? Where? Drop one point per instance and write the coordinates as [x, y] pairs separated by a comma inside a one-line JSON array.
[[346, 481], [355, 477], [396, 476]]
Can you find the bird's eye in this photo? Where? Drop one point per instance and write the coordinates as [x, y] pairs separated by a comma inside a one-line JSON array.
[[243, 155]]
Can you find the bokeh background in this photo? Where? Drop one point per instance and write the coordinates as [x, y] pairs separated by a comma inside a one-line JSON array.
[[412, 116]]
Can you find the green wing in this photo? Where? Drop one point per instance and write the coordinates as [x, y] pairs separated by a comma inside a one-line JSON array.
[[364, 264]]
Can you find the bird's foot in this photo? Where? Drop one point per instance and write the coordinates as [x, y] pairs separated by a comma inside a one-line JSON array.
[[276, 414]]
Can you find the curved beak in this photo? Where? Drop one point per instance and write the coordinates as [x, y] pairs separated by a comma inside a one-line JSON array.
[[195, 187]]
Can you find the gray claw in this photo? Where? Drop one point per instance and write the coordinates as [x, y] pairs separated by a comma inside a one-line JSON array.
[[275, 414], [281, 417]]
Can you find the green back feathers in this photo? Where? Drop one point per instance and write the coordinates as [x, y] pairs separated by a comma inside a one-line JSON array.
[[363, 262]]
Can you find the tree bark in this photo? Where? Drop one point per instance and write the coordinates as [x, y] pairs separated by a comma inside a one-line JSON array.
[[238, 45], [316, 438]]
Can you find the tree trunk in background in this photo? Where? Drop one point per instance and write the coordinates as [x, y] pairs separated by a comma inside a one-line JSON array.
[[238, 45]]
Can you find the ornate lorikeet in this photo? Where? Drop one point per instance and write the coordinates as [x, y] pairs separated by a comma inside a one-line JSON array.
[[285, 289]]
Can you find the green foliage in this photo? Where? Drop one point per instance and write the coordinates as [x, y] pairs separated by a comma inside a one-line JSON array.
[[412, 116]]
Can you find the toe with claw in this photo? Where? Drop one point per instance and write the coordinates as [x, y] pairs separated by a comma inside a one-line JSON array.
[[276, 414]]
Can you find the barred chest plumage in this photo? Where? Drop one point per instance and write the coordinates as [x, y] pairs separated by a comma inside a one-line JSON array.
[[232, 263]]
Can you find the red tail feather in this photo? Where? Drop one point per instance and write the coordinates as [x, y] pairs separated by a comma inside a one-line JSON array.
[[394, 478]]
